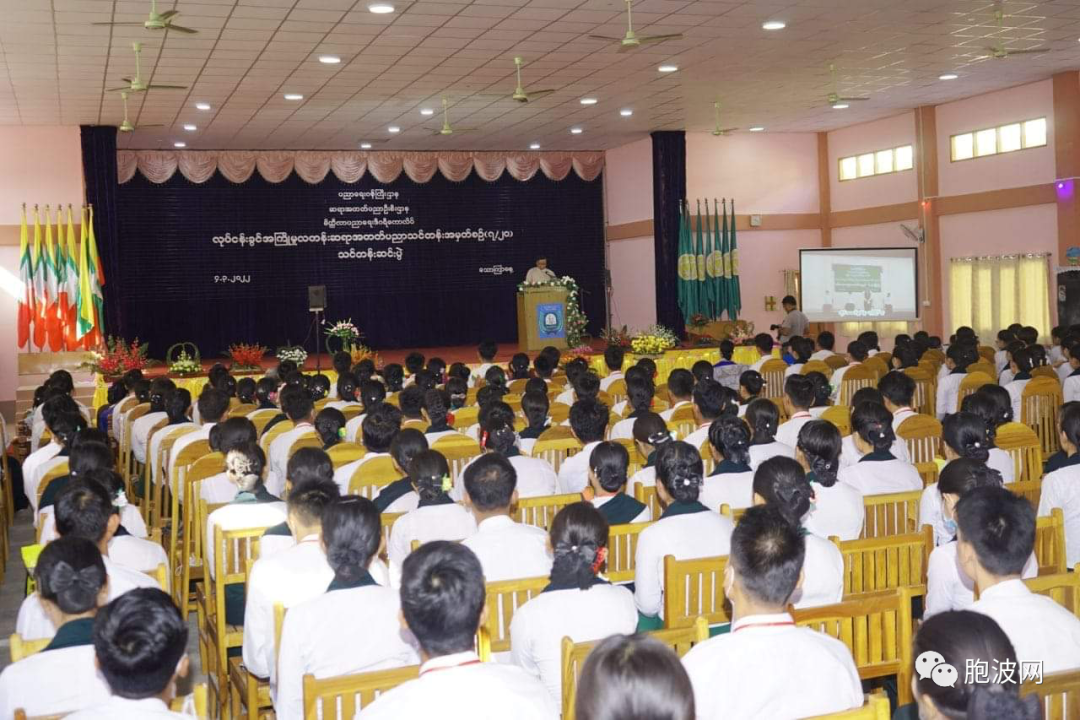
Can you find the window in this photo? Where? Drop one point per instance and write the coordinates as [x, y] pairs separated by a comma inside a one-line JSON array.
[[881, 162], [989, 293], [997, 140]]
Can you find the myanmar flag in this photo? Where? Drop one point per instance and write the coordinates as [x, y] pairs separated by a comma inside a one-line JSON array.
[[26, 275]]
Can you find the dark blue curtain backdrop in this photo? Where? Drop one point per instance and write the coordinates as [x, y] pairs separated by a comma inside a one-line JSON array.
[[669, 189], [182, 276], [99, 170]]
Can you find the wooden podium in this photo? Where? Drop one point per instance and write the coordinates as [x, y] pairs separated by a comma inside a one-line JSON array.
[[541, 315]]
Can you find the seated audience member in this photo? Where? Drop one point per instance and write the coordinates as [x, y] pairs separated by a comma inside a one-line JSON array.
[[764, 418], [727, 371], [680, 387], [732, 481], [987, 406], [711, 402], [838, 507], [266, 391], [1061, 488], [639, 398], [649, 366], [822, 393], [399, 496], [1023, 362], [544, 367], [66, 427], [83, 510], [457, 389], [957, 359], [177, 406], [802, 350], [588, 422], [140, 393], [245, 391], [898, 392], [306, 464], [686, 528], [850, 452], [798, 399], [50, 410], [495, 378], [701, 370], [298, 407], [330, 427], [125, 547], [486, 352], [225, 437], [825, 342], [1001, 356], [1069, 371], [93, 460], [767, 667], [345, 392], [87, 450], [905, 356], [964, 640], [141, 428], [442, 598], [963, 435], [352, 627], [393, 378], [627, 677], [1006, 376], [781, 484], [878, 469], [507, 550], [71, 584], [436, 517], [437, 413], [650, 434], [608, 464], [519, 366], [996, 536], [535, 476], [857, 353], [870, 340], [117, 392], [577, 603], [380, 427], [437, 367], [763, 343], [414, 363], [288, 577], [751, 383], [613, 360], [534, 406], [213, 404], [372, 395], [574, 370], [140, 643], [411, 404]]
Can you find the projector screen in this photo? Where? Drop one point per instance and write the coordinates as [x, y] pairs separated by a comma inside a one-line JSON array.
[[860, 284]]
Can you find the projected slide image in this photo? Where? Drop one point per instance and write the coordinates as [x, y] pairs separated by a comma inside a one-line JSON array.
[[874, 284]]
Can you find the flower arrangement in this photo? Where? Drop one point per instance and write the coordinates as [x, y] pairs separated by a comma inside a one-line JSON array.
[[294, 353], [616, 337], [182, 362], [742, 332], [576, 322], [116, 356], [247, 357], [344, 330], [581, 351], [654, 340], [697, 321], [362, 352]]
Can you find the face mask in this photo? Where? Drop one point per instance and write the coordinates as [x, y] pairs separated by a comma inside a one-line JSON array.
[[950, 527]]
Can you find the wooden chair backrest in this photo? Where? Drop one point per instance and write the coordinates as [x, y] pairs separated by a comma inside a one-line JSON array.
[[1040, 404], [647, 494], [161, 575], [1030, 489], [25, 648], [344, 696], [773, 371], [622, 547], [1024, 446], [835, 362], [637, 462], [555, 445], [1063, 588], [882, 563], [987, 353], [307, 440], [891, 514], [817, 366], [617, 390], [57, 471], [840, 416], [922, 435], [351, 411], [876, 628], [924, 399], [972, 382], [372, 475], [1059, 692], [272, 434], [386, 520], [344, 453], [1050, 543], [986, 368], [466, 416], [877, 365], [517, 386], [855, 379], [1044, 371], [541, 510], [694, 588], [459, 450], [876, 707], [732, 514], [502, 601], [558, 412], [260, 422], [242, 410]]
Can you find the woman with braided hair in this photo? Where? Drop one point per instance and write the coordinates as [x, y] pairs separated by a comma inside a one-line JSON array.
[[577, 603], [879, 470], [608, 465], [780, 483], [732, 480], [838, 508], [354, 626], [988, 406]]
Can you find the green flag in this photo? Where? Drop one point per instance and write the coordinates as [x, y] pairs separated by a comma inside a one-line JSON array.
[[710, 300], [734, 291], [687, 266], [718, 261], [702, 303]]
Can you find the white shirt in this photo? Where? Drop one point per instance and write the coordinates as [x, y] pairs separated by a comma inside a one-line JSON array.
[[339, 632], [130, 518], [622, 430], [538, 627], [535, 478], [838, 511], [118, 708], [51, 682], [1070, 386], [217, 489], [155, 447], [756, 366], [279, 456], [1005, 378], [687, 536], [140, 433], [823, 574], [948, 587], [948, 393], [354, 428], [614, 375], [1039, 628], [508, 550], [137, 553], [201, 433], [566, 397], [1001, 360], [1061, 489], [43, 470], [344, 474], [644, 516], [340, 404], [646, 477], [32, 623], [431, 522], [289, 577], [671, 410], [871, 477], [34, 468], [761, 453], [788, 432], [1016, 393], [734, 489], [930, 514], [539, 275], [574, 470], [768, 668], [699, 437], [822, 355], [900, 416], [850, 455], [241, 516], [1002, 461]]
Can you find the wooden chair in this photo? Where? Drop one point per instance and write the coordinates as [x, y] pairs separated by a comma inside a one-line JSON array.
[[161, 575], [694, 589], [1063, 588], [885, 357], [307, 440], [891, 514], [386, 520], [56, 472], [887, 562], [622, 549], [153, 504], [344, 696], [1044, 371], [344, 453], [1024, 446], [555, 445], [185, 553], [249, 695], [1029, 489], [372, 475], [774, 372], [1059, 692], [876, 707], [840, 416], [126, 464], [732, 514], [972, 382], [925, 391], [987, 353], [647, 494], [273, 433], [637, 462], [540, 511], [574, 655], [986, 368], [922, 435], [502, 601], [876, 364], [876, 628], [1050, 543], [558, 412], [817, 366], [242, 410], [617, 390], [464, 417], [25, 648], [1040, 404], [835, 362], [855, 379], [458, 450], [517, 386]]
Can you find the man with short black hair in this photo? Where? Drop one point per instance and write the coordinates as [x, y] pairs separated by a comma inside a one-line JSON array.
[[213, 404], [763, 343], [856, 354], [680, 388], [378, 430], [766, 667], [613, 359], [794, 322], [588, 421], [540, 273], [298, 407], [798, 399], [711, 401], [996, 536], [898, 390], [826, 341], [442, 602]]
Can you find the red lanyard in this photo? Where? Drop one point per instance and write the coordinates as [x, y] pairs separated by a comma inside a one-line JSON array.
[[450, 667], [782, 623]]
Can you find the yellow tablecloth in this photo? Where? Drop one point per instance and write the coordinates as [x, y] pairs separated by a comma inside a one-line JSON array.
[[681, 358]]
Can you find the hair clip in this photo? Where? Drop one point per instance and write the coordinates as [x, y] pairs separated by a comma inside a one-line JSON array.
[[601, 556], [447, 484], [977, 444], [574, 548], [341, 433], [484, 439], [120, 501]]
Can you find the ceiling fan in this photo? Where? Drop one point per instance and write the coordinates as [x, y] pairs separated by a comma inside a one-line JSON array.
[[834, 98], [156, 21], [999, 51], [519, 93], [136, 83], [717, 130], [127, 126], [632, 41], [446, 129]]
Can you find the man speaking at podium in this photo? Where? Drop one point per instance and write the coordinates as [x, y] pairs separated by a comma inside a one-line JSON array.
[[540, 273]]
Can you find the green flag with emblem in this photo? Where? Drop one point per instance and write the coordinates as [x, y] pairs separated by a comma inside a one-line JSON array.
[[719, 248], [687, 264], [732, 271]]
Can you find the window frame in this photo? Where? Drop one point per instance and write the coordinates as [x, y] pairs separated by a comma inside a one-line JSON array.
[[877, 173], [997, 140]]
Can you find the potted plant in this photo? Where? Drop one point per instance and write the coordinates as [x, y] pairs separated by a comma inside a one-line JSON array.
[[742, 333], [616, 337], [342, 335], [247, 358], [115, 357], [653, 341], [362, 352], [695, 329], [294, 353], [183, 363]]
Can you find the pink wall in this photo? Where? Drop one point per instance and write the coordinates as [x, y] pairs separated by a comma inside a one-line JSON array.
[[898, 187], [628, 198]]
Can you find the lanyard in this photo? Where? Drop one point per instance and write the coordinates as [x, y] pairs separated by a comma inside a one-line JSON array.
[[781, 623], [450, 667]]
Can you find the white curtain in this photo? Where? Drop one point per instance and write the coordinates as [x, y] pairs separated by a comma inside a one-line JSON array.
[[990, 293]]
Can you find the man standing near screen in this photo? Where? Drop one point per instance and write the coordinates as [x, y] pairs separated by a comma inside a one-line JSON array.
[[540, 273], [794, 323]]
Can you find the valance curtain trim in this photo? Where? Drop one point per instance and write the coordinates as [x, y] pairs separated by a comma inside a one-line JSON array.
[[237, 166]]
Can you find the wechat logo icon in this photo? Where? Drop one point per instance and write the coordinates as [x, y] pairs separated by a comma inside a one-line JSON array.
[[932, 665]]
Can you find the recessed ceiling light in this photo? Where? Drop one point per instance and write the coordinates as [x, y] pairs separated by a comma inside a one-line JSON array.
[[773, 25], [668, 68], [588, 101], [948, 76], [394, 129], [626, 112], [757, 129], [190, 128], [293, 96], [534, 146], [840, 106], [179, 144], [365, 146], [576, 131], [380, 8], [329, 59], [427, 111], [202, 106]]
